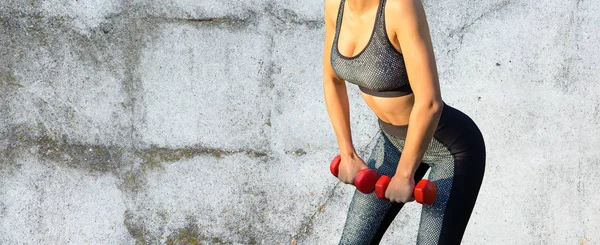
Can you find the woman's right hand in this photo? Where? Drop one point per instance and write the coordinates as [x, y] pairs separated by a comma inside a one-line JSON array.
[[350, 165]]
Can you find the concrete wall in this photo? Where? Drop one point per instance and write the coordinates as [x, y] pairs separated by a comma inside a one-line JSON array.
[[186, 122]]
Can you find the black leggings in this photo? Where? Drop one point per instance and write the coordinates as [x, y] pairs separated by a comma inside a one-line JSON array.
[[456, 157]]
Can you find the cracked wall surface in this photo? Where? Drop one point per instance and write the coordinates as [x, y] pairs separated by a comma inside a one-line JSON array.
[[203, 122]]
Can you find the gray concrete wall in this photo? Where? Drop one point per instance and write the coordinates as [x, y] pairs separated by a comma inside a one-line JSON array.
[[186, 122]]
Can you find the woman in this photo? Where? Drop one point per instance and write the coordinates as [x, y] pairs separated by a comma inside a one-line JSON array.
[[384, 47]]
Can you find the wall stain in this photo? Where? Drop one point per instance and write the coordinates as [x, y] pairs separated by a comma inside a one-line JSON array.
[[190, 234], [287, 19]]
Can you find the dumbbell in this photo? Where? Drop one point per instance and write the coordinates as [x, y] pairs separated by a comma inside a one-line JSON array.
[[425, 191], [365, 179]]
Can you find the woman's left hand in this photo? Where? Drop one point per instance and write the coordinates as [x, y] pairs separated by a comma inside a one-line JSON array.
[[400, 189]]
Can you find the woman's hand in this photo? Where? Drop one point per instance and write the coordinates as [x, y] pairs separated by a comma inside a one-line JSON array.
[[350, 165], [400, 189]]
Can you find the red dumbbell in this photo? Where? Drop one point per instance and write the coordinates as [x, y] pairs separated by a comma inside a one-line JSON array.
[[425, 191], [365, 179]]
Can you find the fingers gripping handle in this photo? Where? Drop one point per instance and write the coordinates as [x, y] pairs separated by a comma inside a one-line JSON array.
[[425, 191], [365, 179]]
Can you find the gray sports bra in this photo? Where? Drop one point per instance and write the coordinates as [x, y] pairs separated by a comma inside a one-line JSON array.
[[379, 68]]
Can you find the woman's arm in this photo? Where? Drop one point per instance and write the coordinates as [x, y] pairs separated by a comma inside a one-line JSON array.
[[336, 97], [412, 31], [336, 101]]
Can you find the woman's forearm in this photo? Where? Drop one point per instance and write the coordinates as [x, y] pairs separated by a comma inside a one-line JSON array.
[[423, 122], [336, 101]]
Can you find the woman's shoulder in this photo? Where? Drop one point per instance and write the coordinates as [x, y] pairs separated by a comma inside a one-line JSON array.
[[401, 12], [332, 4], [331, 9], [400, 7]]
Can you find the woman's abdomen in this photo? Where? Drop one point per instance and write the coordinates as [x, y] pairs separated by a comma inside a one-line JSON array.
[[395, 110]]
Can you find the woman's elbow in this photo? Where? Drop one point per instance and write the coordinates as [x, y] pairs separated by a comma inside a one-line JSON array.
[[433, 106]]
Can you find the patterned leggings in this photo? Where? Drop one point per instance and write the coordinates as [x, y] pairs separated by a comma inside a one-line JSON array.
[[456, 157]]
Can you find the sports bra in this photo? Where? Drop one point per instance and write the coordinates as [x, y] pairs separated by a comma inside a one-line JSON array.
[[378, 69]]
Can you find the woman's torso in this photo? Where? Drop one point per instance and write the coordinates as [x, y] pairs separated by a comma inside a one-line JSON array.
[[364, 39]]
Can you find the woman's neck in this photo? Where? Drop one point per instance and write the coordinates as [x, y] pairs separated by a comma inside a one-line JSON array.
[[362, 6]]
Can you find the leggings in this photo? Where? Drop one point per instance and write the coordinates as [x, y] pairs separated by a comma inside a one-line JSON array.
[[456, 157]]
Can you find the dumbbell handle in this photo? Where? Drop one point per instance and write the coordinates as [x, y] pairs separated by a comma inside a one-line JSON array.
[[425, 191], [365, 179]]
